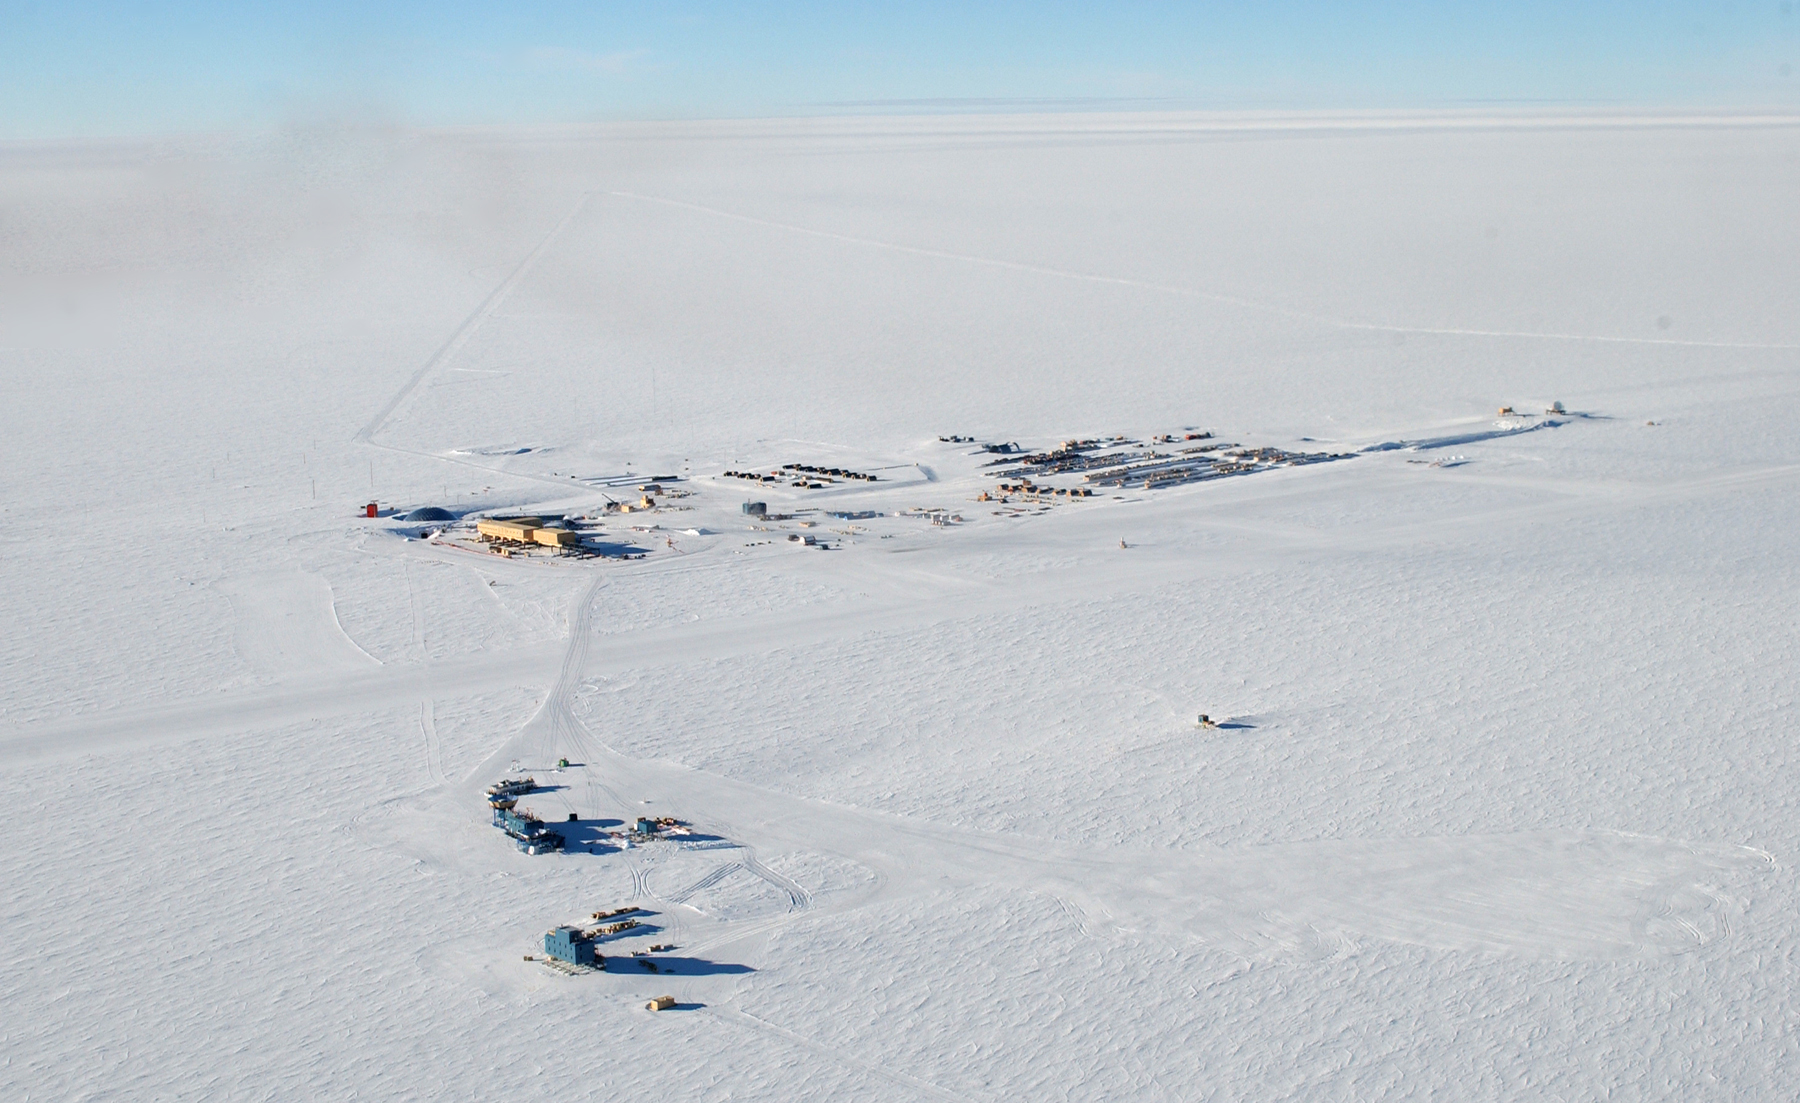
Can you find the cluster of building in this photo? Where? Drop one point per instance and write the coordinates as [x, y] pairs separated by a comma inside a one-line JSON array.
[[939, 517], [1025, 488], [526, 831], [648, 493], [826, 472], [1117, 462], [1069, 457], [1152, 471], [802, 475]]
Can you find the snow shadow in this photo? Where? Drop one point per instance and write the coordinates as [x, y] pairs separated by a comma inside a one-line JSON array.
[[1462, 438], [585, 834], [677, 966]]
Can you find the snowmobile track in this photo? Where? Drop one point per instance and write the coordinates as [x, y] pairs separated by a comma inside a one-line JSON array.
[[705, 882]]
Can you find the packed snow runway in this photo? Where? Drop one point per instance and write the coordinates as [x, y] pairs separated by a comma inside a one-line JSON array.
[[1499, 805]]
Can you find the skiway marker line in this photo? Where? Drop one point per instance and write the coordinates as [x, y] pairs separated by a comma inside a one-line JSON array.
[[473, 322], [1186, 292]]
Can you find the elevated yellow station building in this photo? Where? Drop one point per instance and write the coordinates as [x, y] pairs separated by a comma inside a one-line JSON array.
[[526, 530]]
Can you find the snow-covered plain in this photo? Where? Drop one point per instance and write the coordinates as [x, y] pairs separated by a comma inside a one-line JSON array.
[[1505, 807]]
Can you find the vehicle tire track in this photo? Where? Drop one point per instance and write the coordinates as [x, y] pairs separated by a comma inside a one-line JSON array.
[[742, 932], [471, 324], [798, 898], [1075, 914], [705, 882], [1223, 298], [418, 614], [565, 729], [434, 747]]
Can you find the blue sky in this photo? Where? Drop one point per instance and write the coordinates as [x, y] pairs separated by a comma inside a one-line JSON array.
[[80, 69]]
